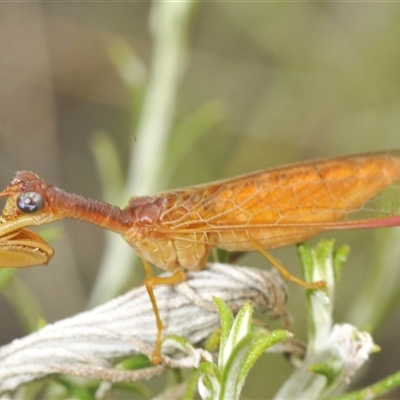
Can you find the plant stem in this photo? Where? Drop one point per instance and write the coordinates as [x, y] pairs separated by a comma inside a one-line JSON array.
[[169, 26]]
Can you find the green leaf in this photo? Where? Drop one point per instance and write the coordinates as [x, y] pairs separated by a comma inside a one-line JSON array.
[[326, 370], [213, 340], [178, 342], [240, 350], [210, 377], [136, 362], [259, 346], [241, 325], [231, 377], [378, 389], [339, 259], [226, 318]]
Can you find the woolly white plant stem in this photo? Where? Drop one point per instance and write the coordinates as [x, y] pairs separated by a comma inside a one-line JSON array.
[[88, 344]]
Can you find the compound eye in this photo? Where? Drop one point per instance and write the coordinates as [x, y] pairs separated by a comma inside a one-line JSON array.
[[30, 202]]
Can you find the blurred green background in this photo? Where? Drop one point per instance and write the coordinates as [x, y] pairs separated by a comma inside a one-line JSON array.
[[274, 83]]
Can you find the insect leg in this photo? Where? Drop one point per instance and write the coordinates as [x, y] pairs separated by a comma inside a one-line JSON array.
[[286, 274], [150, 281]]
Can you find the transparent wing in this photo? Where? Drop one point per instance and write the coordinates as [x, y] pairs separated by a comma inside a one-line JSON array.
[[286, 205]]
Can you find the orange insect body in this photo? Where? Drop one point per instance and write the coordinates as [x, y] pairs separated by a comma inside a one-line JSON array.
[[177, 229], [271, 208]]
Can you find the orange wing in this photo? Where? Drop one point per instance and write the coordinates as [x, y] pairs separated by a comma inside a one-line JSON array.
[[277, 207]]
